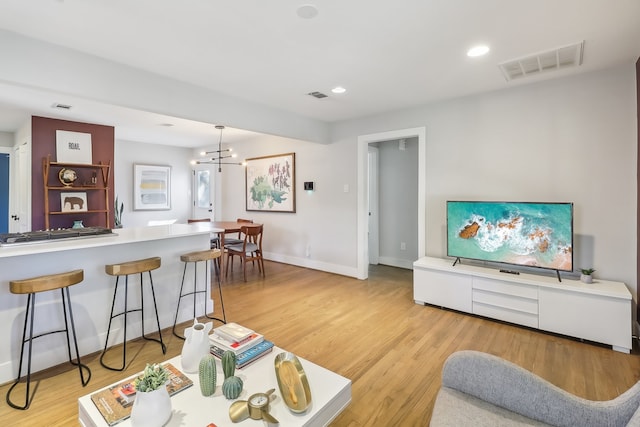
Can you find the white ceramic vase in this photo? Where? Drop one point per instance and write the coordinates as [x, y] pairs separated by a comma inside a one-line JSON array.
[[151, 408], [586, 278], [196, 345]]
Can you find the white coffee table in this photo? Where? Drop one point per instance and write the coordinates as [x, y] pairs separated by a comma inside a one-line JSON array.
[[330, 394]]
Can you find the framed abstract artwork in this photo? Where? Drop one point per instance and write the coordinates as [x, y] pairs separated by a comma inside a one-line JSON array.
[[270, 183], [151, 187]]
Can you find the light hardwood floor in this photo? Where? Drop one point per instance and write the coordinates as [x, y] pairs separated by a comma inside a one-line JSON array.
[[369, 331]]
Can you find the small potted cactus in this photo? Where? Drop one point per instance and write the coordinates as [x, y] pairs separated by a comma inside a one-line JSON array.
[[152, 406]]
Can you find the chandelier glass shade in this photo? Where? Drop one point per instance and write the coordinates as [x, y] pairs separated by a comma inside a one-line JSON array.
[[219, 155]]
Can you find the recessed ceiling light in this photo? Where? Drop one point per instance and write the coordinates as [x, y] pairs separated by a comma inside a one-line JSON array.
[[478, 51], [338, 89], [307, 11]]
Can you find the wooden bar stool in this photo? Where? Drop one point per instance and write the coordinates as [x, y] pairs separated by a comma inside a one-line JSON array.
[[31, 287], [125, 269], [208, 256]]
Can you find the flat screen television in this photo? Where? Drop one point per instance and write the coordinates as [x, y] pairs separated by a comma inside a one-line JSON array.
[[527, 234]]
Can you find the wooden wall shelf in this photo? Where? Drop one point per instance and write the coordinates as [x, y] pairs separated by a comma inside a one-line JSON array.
[[91, 178]]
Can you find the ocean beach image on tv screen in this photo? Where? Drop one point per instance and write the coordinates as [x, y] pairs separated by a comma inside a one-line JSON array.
[[530, 234]]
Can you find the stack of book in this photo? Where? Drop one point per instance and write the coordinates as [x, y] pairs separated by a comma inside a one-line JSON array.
[[246, 344]]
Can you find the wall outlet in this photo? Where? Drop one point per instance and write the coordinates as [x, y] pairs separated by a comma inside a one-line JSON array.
[[403, 246]]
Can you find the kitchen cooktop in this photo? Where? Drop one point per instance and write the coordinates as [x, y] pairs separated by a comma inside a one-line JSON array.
[[7, 239]]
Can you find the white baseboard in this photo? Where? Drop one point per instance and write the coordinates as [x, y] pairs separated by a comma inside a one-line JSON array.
[[313, 264], [394, 262]]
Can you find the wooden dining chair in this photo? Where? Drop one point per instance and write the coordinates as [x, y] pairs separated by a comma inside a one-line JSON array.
[[238, 239], [249, 250], [215, 241]]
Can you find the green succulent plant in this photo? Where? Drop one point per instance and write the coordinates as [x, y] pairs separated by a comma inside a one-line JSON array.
[[587, 271], [153, 377], [117, 213]]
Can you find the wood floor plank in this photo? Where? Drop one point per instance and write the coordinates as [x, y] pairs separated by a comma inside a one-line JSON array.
[[370, 331]]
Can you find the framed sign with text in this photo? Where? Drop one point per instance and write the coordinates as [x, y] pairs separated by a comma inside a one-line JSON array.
[[73, 147]]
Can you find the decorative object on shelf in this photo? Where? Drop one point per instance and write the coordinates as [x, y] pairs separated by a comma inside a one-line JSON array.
[[271, 183], [67, 177], [73, 147], [73, 202], [117, 213], [220, 153], [292, 381], [256, 408], [152, 407], [196, 345], [586, 275], [78, 224], [232, 385], [207, 374], [151, 187]]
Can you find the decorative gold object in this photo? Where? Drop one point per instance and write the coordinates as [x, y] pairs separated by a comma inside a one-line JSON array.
[[67, 176], [292, 381], [257, 408]]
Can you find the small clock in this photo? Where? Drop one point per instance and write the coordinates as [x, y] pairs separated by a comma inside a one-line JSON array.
[[256, 407]]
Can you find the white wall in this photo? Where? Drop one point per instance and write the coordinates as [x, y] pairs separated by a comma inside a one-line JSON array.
[[398, 206], [324, 220], [571, 139], [127, 154], [6, 139]]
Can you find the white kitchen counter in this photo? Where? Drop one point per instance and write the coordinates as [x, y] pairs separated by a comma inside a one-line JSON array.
[[91, 299]]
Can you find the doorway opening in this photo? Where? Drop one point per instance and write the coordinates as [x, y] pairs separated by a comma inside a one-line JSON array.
[[364, 141]]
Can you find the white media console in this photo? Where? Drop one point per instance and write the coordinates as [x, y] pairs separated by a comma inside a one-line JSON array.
[[600, 311]]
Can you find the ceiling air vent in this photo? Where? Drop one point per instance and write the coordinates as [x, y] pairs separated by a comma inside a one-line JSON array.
[[61, 106], [318, 95], [556, 59]]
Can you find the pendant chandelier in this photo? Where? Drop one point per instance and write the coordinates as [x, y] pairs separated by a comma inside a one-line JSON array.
[[219, 155]]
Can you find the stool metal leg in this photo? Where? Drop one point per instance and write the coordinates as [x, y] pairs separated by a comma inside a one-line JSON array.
[[79, 363], [111, 317], [124, 313], [29, 319], [195, 292], [224, 316], [175, 319], [155, 306]]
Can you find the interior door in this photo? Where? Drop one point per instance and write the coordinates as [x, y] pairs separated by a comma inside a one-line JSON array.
[[20, 200], [374, 245], [203, 194], [4, 192]]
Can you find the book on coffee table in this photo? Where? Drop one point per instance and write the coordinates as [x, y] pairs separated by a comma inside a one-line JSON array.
[[234, 332], [115, 402], [248, 356], [236, 347]]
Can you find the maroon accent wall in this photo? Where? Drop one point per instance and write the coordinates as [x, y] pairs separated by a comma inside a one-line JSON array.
[[43, 143]]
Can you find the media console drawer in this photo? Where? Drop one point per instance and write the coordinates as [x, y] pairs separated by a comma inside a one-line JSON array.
[[508, 288], [514, 303], [506, 314]]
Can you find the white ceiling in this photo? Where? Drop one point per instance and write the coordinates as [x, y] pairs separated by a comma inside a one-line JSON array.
[[389, 55]]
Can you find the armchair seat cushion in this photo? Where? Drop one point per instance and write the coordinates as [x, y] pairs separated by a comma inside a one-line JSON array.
[[454, 409], [497, 392]]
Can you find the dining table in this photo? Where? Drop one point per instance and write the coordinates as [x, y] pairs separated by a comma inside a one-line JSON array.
[[227, 227]]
